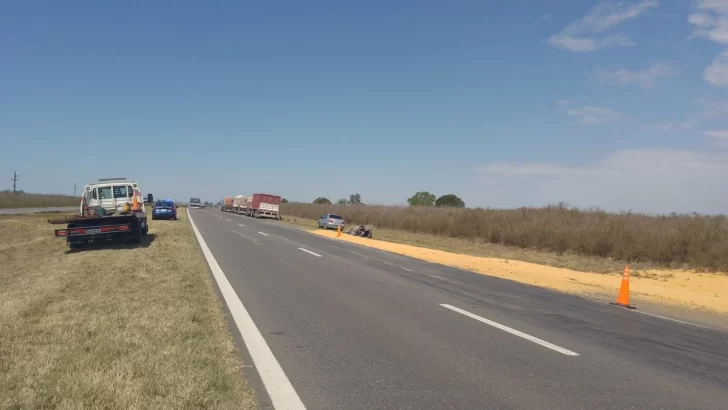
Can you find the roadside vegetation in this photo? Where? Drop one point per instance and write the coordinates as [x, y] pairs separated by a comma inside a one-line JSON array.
[[9, 199], [555, 235], [114, 326]]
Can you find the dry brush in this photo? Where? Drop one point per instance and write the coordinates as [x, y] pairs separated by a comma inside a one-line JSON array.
[[677, 240]]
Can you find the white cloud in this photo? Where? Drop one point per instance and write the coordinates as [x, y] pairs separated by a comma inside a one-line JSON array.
[[713, 109], [588, 114], [585, 34], [719, 137], [668, 126], [645, 180], [716, 74], [711, 22], [645, 78]]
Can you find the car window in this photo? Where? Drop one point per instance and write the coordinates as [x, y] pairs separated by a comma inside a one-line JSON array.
[[335, 217]]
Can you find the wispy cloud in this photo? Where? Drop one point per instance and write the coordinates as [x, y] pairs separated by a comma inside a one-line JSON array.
[[711, 22], [669, 126], [546, 16], [587, 33], [650, 180], [715, 108], [719, 137], [716, 74], [588, 114], [644, 78]]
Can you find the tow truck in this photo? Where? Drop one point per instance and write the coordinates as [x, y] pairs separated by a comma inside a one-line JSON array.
[[111, 208]]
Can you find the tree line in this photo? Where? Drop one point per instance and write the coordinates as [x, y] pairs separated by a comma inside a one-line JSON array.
[[422, 198]]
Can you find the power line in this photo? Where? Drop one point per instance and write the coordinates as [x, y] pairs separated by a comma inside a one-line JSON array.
[[15, 180]]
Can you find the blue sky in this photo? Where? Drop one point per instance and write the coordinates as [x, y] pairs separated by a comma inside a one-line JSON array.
[[622, 105]]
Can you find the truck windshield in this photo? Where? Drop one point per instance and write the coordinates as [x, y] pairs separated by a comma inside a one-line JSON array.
[[194, 200]]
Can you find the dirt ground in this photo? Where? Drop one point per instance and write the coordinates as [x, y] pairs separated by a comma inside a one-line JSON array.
[[675, 288]]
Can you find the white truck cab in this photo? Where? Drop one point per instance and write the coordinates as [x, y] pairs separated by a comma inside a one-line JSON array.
[[114, 194]]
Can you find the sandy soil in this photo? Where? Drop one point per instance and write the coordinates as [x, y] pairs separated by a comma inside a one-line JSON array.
[[672, 287]]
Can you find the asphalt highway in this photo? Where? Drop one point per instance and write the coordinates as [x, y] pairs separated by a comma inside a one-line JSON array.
[[358, 328]]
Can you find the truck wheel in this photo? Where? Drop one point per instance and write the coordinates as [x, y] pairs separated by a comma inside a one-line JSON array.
[[136, 235], [145, 230]]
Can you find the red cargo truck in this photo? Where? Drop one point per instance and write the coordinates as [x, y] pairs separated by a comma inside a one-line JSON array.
[[265, 206], [227, 204]]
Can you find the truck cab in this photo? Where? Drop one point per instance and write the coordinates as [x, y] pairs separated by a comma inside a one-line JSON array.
[[114, 195]]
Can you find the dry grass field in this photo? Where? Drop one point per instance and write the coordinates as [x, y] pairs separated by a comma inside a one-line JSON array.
[[557, 236], [114, 326], [23, 200]]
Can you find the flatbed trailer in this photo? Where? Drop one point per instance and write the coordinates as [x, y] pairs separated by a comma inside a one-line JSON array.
[[81, 230]]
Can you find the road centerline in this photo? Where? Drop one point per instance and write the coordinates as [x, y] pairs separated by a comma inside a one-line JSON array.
[[512, 331]]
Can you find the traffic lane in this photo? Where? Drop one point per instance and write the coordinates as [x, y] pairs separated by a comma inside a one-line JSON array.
[[407, 308], [354, 349], [674, 346], [639, 340], [21, 211], [693, 362]]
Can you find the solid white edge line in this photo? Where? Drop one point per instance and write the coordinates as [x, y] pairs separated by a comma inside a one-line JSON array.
[[263, 233], [408, 270], [673, 320], [279, 388], [312, 253], [512, 331]]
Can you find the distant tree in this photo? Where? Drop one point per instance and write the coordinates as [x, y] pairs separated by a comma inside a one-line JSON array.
[[342, 201], [422, 198], [355, 199], [284, 201], [450, 200], [322, 201]]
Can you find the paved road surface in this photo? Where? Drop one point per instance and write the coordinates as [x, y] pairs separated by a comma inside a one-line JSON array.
[[19, 211], [359, 328]]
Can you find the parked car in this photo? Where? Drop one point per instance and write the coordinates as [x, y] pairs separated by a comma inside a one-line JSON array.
[[331, 221], [164, 210]]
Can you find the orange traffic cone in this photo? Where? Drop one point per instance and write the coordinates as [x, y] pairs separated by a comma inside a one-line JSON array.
[[135, 202], [623, 298], [338, 232]]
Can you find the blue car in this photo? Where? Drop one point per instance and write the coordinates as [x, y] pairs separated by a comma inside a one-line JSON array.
[[164, 210]]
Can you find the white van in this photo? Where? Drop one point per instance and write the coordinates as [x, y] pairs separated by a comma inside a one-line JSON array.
[[113, 194]]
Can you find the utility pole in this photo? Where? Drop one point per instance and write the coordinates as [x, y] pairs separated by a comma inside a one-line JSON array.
[[15, 180], [74, 189]]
